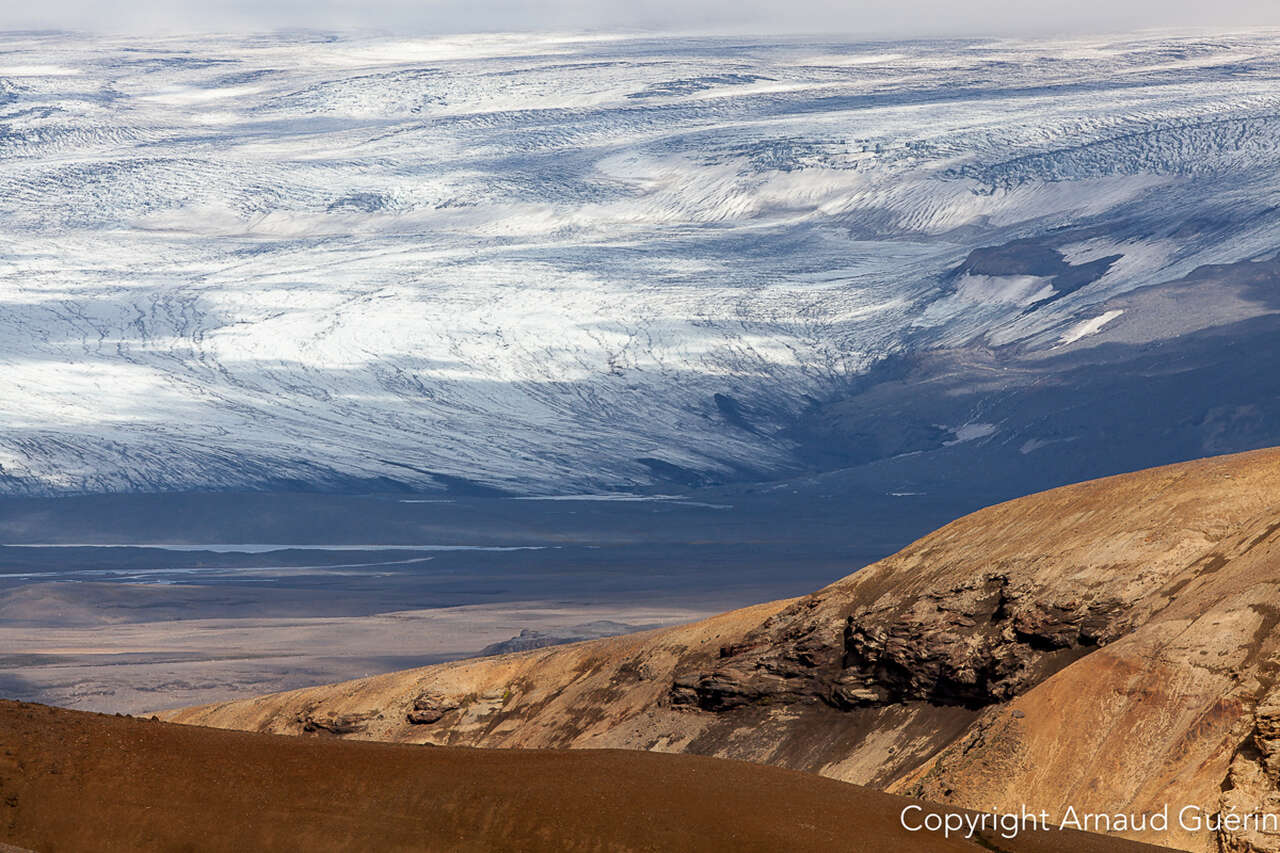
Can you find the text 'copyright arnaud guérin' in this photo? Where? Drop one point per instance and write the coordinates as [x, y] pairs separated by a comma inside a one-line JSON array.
[[1009, 825]]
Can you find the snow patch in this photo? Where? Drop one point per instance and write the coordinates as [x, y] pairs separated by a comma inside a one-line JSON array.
[[1089, 327], [971, 432]]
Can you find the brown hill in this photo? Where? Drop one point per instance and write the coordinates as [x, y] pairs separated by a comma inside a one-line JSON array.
[[1110, 646], [74, 781]]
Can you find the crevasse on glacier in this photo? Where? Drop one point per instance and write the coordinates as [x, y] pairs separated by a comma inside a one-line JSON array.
[[555, 263]]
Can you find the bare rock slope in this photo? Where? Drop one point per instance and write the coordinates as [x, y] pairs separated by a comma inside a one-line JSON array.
[[1109, 646]]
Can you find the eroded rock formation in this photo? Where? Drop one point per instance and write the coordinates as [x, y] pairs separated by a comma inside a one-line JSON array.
[[430, 708], [1253, 785], [972, 644]]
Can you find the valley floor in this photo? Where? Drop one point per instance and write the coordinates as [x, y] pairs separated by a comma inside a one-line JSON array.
[[133, 603]]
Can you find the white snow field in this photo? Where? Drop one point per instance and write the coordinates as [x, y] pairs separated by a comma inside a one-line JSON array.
[[565, 265]]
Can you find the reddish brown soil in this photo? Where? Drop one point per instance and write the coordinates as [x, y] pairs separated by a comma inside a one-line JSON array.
[[72, 781]]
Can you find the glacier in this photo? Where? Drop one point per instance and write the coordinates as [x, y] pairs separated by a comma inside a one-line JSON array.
[[562, 264]]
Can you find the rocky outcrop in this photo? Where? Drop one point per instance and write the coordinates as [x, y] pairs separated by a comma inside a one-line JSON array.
[[327, 722], [972, 644], [1252, 787], [430, 708]]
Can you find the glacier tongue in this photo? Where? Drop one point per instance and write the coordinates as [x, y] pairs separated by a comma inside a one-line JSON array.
[[558, 264]]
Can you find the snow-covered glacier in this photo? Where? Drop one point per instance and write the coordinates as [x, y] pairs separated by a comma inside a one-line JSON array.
[[550, 264]]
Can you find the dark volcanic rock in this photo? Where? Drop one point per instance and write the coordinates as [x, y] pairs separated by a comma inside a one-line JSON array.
[[970, 645], [973, 645]]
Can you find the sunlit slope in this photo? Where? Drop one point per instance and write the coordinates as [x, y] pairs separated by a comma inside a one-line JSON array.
[[1111, 646]]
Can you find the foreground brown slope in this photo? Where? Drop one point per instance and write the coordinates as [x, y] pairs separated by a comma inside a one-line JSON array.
[[73, 781], [1110, 646]]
